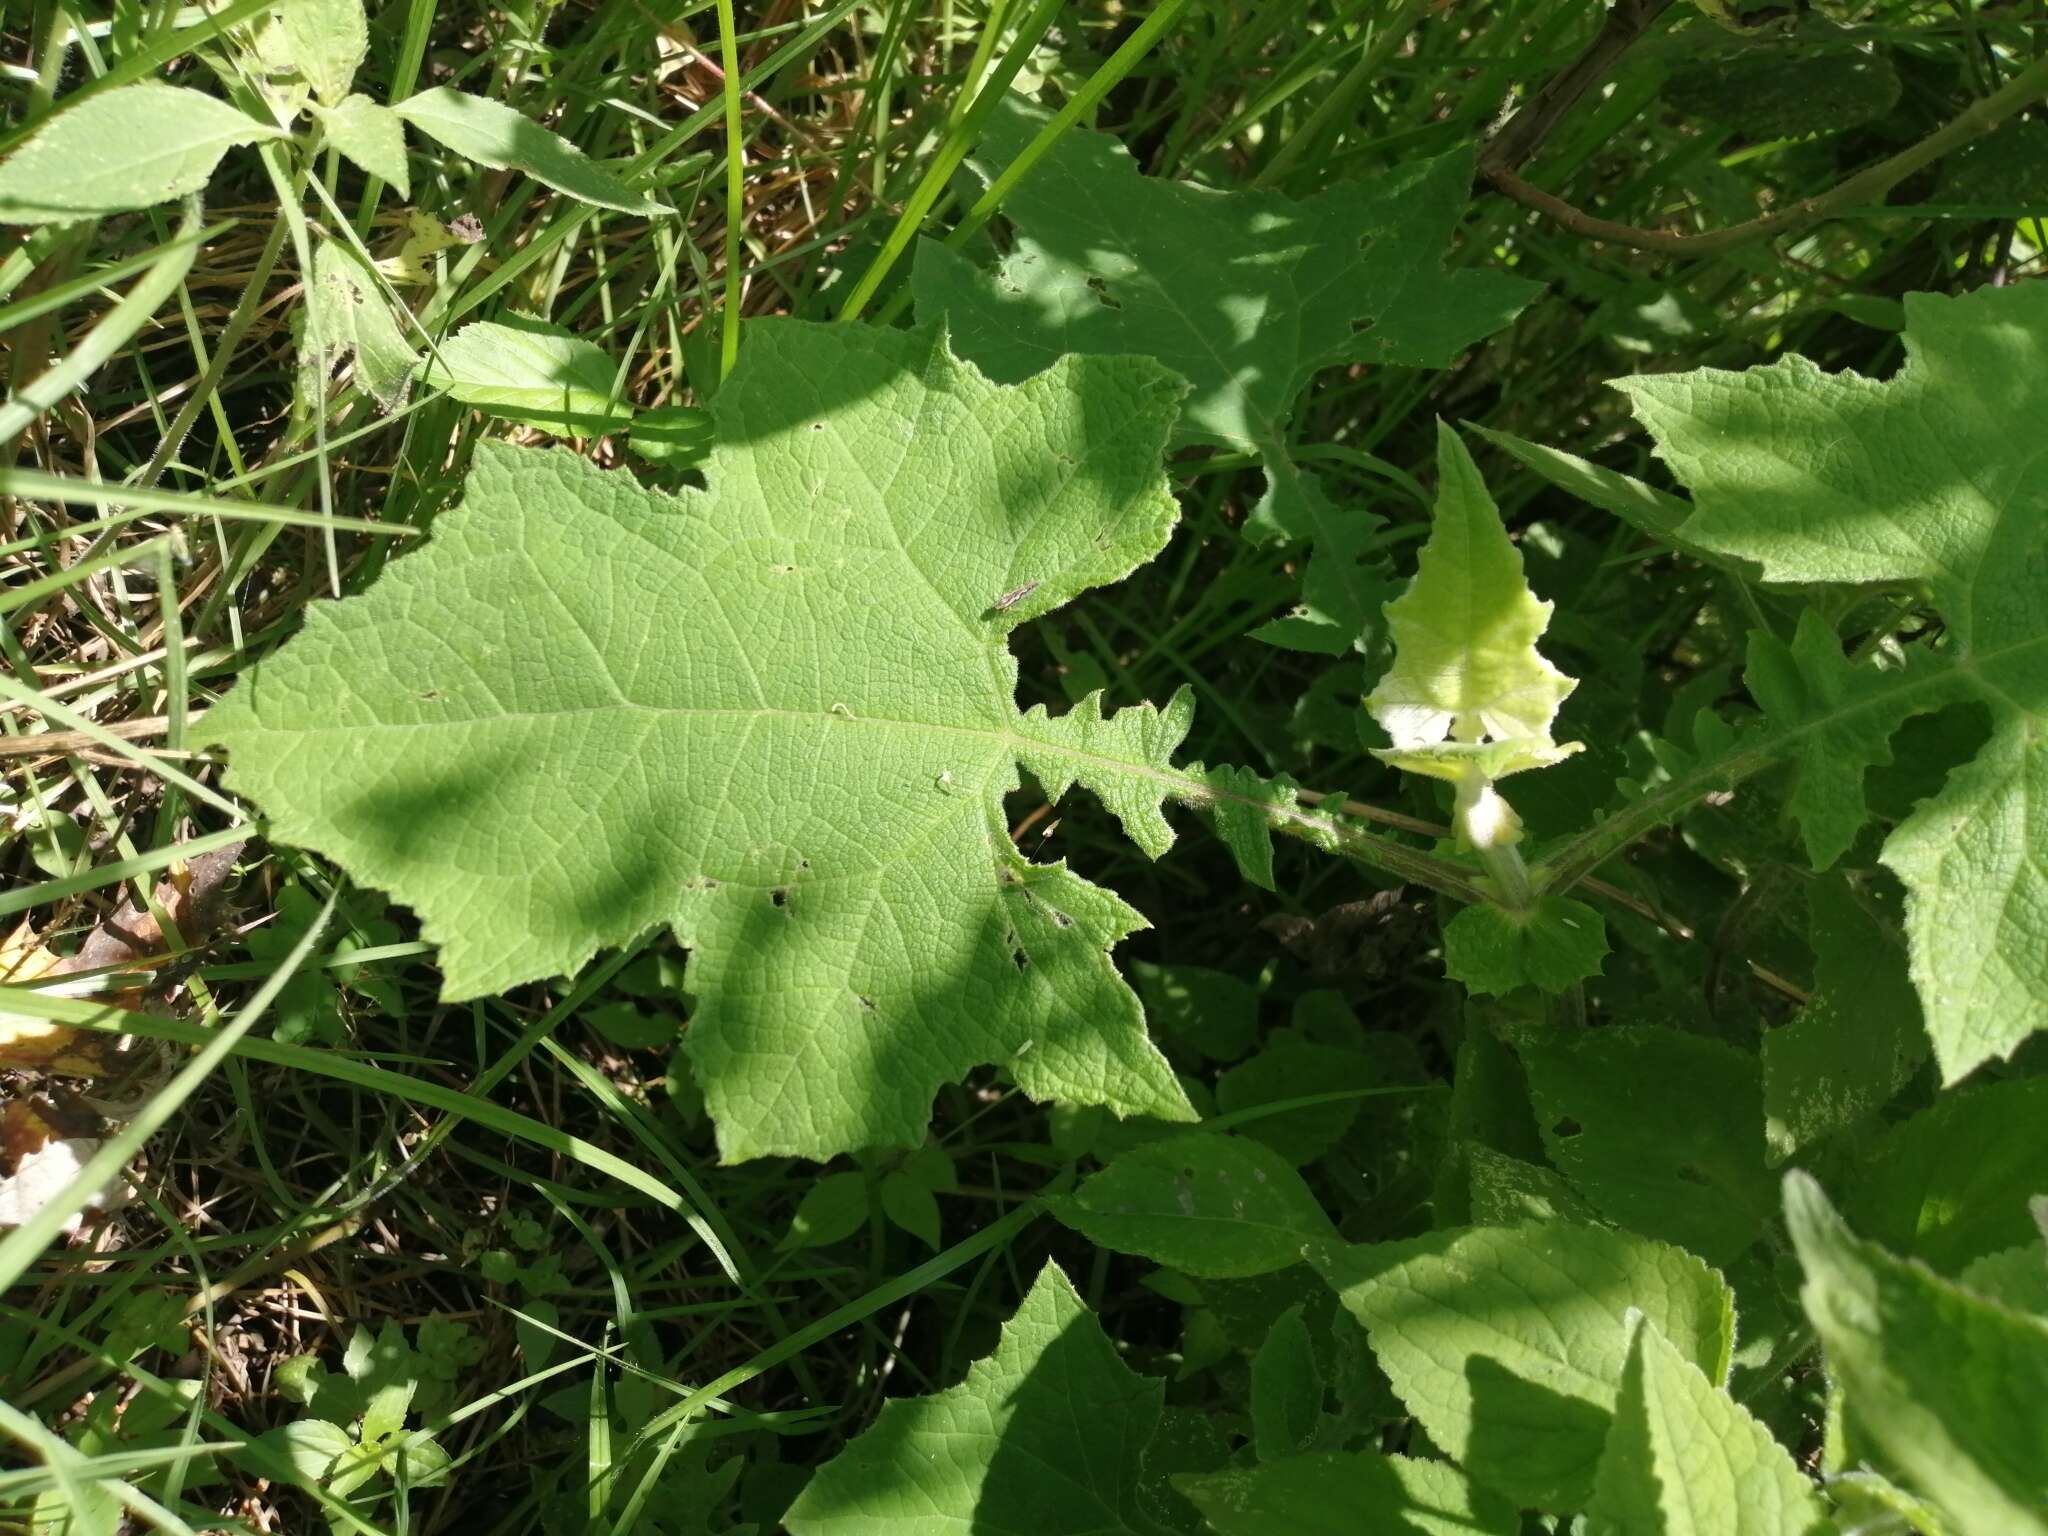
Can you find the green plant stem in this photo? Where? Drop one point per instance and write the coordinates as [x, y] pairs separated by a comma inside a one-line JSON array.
[[1100, 84], [961, 136], [735, 188], [1865, 187]]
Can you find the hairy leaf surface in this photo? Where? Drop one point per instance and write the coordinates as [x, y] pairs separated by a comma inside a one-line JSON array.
[[127, 148], [1946, 1383], [1245, 294], [1508, 1343], [1685, 1459], [778, 716], [1932, 478]]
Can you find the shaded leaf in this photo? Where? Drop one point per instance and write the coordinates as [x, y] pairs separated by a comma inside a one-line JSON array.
[[1006, 1448], [1953, 1183], [1349, 1494], [1553, 945], [1508, 1344], [1858, 1039], [1287, 1390], [831, 1210], [1661, 1130], [1946, 1384], [1685, 1459], [1246, 294], [1220, 1207]]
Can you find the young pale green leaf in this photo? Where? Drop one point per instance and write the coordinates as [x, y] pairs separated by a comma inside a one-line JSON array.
[[1466, 669], [1858, 1039], [1685, 1459], [310, 1448], [1045, 1435], [776, 715], [326, 40], [1246, 294], [1927, 477], [346, 317], [1946, 1384], [1287, 1390], [1348, 1494], [1553, 945], [1661, 1130], [493, 134], [1220, 1207], [1953, 1183], [130, 147], [372, 136], [1508, 1343], [532, 372]]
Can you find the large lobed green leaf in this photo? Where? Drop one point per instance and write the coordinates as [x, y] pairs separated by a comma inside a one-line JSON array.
[[1931, 480], [776, 715], [1245, 294]]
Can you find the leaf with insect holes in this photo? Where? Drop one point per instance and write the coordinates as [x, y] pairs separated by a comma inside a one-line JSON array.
[[1930, 479], [776, 715], [1661, 1130], [1047, 1434], [346, 318], [494, 135], [1468, 692], [131, 147], [1247, 295]]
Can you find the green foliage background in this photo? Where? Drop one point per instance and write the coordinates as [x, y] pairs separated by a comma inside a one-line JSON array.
[[1211, 768]]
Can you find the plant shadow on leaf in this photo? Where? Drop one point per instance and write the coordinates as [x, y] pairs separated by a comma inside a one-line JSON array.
[[1524, 1426], [778, 716]]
